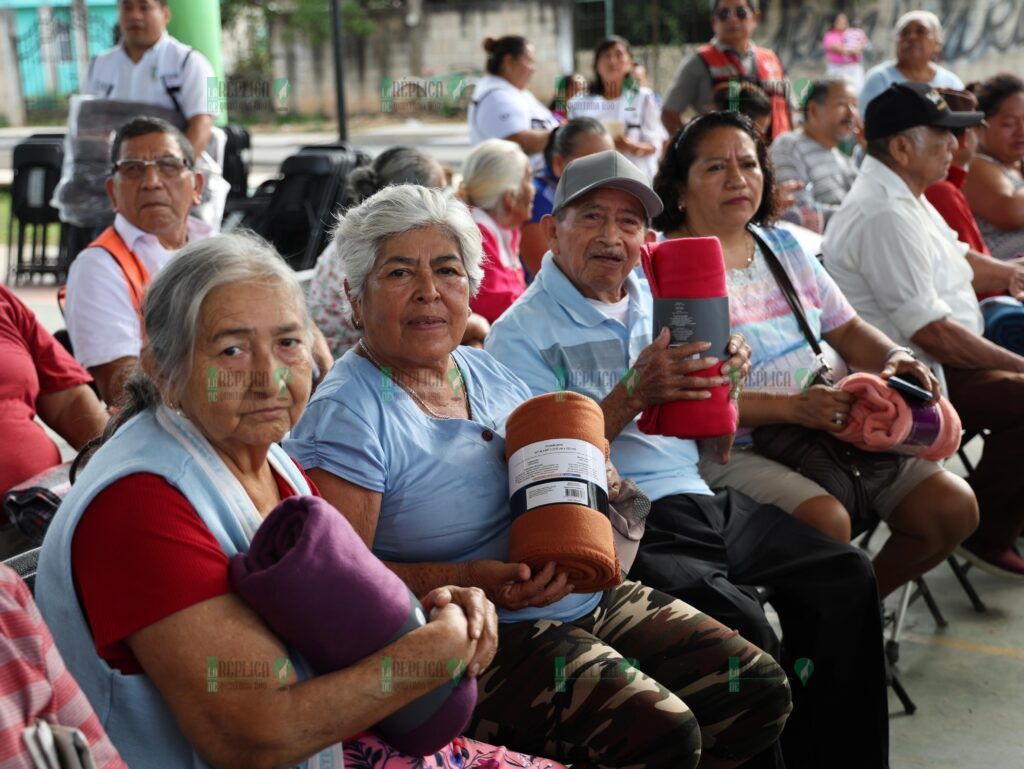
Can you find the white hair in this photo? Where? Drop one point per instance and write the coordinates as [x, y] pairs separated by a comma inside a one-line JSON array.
[[926, 19], [495, 167], [362, 231]]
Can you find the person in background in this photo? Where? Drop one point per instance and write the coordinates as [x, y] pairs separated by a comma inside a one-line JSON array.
[[38, 378], [844, 51], [151, 66], [918, 45], [747, 99], [811, 154], [502, 108], [995, 183], [731, 55], [628, 109], [947, 194], [497, 184], [566, 87], [579, 137]]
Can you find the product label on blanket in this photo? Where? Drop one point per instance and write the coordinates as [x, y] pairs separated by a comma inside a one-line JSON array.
[[557, 472], [695, 320]]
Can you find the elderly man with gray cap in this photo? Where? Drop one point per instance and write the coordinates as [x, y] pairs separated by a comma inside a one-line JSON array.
[[907, 273], [585, 324]]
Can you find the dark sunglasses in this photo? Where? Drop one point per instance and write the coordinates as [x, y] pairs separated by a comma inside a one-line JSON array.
[[723, 14]]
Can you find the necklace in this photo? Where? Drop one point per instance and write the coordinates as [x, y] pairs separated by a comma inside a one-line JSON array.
[[415, 395], [750, 242]]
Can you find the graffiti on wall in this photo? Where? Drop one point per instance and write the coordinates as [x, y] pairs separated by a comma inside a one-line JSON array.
[[981, 28]]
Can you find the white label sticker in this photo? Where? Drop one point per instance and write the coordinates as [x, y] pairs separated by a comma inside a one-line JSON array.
[[560, 459], [556, 493]]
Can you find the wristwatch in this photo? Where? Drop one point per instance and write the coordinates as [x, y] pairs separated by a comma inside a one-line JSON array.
[[895, 350]]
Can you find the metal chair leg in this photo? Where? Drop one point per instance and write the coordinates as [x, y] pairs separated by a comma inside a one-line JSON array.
[[897, 686], [961, 576], [923, 591]]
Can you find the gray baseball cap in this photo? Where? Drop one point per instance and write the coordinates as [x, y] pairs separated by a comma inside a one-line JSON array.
[[605, 169]]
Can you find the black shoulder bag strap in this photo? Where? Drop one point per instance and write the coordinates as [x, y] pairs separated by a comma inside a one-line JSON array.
[[793, 298]]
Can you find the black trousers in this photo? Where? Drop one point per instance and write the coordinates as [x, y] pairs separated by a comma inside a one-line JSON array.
[[709, 550]]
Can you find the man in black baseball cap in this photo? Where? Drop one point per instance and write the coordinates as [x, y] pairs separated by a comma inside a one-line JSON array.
[[907, 273]]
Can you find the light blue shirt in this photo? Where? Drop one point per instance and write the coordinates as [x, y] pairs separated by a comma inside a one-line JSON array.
[[554, 339], [444, 482], [883, 75]]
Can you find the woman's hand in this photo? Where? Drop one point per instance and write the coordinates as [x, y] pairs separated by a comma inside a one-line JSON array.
[[737, 368], [821, 408], [476, 331], [624, 144], [481, 620], [901, 364], [512, 586]]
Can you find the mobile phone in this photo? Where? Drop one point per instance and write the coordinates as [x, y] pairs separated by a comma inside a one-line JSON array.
[[910, 388]]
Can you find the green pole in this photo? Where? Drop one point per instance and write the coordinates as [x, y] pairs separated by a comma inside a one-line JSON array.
[[197, 23], [609, 18]]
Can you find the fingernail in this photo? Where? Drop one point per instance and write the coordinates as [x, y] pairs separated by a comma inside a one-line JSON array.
[[712, 361], [474, 670]]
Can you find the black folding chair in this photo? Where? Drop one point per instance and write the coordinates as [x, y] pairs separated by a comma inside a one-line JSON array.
[[26, 564]]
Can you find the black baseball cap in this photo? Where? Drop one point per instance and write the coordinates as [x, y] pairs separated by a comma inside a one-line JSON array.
[[908, 105]]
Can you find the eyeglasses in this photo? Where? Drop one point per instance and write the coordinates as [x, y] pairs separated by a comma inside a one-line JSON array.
[[723, 14], [168, 166]]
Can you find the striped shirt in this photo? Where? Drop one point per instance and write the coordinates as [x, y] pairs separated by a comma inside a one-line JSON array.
[[34, 684], [797, 156]]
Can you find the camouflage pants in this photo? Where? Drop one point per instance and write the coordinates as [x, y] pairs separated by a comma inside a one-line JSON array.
[[644, 681]]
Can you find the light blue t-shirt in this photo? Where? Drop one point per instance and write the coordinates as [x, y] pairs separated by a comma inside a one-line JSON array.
[[883, 75], [444, 482], [554, 339]]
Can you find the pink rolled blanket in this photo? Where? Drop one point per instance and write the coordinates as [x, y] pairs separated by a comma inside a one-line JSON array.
[[881, 420]]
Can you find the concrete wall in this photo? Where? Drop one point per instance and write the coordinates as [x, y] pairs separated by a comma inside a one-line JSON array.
[[427, 41]]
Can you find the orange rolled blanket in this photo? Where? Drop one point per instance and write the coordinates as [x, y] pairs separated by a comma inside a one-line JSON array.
[[882, 420], [556, 452]]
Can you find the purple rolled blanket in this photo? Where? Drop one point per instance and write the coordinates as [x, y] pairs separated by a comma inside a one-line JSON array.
[[321, 590]]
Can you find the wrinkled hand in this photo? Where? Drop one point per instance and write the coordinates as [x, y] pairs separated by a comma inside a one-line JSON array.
[[858, 131], [786, 192], [512, 586], [481, 620], [901, 364], [661, 373], [719, 449], [737, 368], [477, 329], [818, 407], [1016, 284], [321, 354]]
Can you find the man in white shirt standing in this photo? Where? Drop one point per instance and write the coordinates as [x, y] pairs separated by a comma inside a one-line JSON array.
[[153, 186], [906, 272], [151, 66]]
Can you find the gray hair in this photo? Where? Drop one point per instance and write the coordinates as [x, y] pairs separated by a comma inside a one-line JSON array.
[[171, 309], [926, 19], [495, 167], [362, 231]]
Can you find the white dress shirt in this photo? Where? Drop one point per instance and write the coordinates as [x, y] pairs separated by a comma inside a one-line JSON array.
[[168, 64], [896, 259], [102, 321]]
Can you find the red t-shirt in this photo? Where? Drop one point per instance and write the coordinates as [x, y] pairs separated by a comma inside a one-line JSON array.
[[950, 202], [502, 284], [141, 553], [33, 364]]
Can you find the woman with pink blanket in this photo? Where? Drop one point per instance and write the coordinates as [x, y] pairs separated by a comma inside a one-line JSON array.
[[716, 181]]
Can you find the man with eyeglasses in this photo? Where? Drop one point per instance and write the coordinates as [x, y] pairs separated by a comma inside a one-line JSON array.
[[153, 185], [730, 56]]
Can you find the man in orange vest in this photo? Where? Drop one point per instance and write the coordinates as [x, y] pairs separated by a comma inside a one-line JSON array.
[[153, 186], [730, 56]]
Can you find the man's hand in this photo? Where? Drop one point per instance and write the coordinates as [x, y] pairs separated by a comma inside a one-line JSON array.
[[614, 481], [1016, 282], [901, 364], [719, 449], [821, 408], [662, 374], [481, 618], [786, 192], [321, 353], [511, 586]]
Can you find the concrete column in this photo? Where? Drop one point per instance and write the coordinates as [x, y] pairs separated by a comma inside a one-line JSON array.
[[12, 106], [197, 23]]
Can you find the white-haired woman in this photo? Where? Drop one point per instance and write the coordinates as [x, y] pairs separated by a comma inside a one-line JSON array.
[[405, 438], [497, 184], [133, 577], [918, 45]]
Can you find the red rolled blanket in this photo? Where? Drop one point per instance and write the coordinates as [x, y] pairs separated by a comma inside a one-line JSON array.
[[882, 420], [687, 278], [558, 488]]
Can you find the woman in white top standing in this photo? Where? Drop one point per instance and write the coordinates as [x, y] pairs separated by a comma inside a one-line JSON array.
[[629, 111], [502, 108]]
